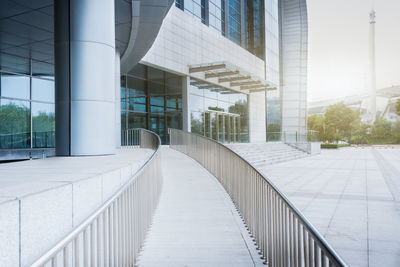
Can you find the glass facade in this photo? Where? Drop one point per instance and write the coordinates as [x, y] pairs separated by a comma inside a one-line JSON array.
[[151, 99], [218, 115], [27, 118], [254, 23], [216, 15], [197, 8], [242, 21], [234, 21]]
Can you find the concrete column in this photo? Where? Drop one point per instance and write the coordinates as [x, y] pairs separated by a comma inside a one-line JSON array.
[[185, 104], [84, 77], [117, 99], [257, 118]]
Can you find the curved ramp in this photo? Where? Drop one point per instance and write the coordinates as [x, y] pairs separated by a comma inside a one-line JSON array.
[[196, 223]]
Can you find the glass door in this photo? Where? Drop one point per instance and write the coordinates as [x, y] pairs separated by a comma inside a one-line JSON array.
[[207, 124], [221, 128], [213, 126]]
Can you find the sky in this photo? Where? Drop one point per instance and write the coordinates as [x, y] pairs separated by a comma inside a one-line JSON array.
[[338, 57]]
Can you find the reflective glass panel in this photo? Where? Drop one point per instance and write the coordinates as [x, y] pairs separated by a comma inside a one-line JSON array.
[[43, 123], [14, 124], [42, 90], [135, 86], [197, 122], [136, 120], [15, 86]]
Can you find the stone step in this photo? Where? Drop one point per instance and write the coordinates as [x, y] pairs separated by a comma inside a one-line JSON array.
[[260, 155]]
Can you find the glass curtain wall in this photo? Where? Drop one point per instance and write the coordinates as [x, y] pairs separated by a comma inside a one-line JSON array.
[[234, 21], [151, 99], [213, 113], [197, 8], [216, 15], [27, 117], [272, 61], [254, 11], [227, 16]]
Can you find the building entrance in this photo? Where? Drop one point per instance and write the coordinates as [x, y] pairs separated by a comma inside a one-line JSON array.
[[222, 126]]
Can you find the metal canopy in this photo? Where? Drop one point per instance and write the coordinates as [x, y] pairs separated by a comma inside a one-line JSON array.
[[226, 78]]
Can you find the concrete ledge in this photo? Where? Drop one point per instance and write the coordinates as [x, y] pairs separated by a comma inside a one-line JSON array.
[[20, 154], [42, 200]]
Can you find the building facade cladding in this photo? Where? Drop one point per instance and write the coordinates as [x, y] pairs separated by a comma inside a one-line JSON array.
[[241, 21], [294, 41], [272, 68], [27, 86], [184, 40]]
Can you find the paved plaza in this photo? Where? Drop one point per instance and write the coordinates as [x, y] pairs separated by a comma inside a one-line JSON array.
[[352, 196]]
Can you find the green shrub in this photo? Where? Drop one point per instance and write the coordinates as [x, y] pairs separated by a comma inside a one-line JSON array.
[[330, 146], [343, 145]]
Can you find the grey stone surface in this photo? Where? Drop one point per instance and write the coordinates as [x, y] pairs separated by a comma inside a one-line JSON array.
[[33, 176], [195, 223], [350, 196], [45, 219], [9, 229], [87, 196], [42, 200]]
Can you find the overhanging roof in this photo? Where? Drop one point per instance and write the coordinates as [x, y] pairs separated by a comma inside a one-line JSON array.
[[227, 78]]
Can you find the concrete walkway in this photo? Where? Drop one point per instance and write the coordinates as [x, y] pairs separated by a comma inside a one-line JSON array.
[[352, 196], [195, 223]]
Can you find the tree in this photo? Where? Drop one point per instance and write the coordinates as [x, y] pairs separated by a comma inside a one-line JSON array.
[[396, 131], [381, 131], [316, 123], [398, 107], [338, 121], [359, 133]]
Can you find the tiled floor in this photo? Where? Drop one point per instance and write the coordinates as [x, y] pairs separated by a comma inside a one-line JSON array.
[[352, 196]]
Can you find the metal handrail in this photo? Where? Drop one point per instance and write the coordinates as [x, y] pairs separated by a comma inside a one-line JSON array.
[[114, 233], [294, 136], [283, 235]]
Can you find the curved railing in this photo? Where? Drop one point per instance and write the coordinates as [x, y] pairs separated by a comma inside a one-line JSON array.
[[114, 233], [283, 235]]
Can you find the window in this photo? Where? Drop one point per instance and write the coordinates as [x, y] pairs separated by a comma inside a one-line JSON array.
[[43, 125], [234, 21], [26, 98], [15, 128], [15, 86], [42, 90], [153, 102]]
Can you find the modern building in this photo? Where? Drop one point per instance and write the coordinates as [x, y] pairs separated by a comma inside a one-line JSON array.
[[74, 73]]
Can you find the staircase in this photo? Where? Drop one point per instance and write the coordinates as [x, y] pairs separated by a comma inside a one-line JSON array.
[[263, 154]]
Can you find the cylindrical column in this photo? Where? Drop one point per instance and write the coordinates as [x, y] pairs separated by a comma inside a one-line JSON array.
[[117, 81], [84, 77]]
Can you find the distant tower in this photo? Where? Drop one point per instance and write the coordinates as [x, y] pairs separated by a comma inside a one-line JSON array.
[[372, 105]]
